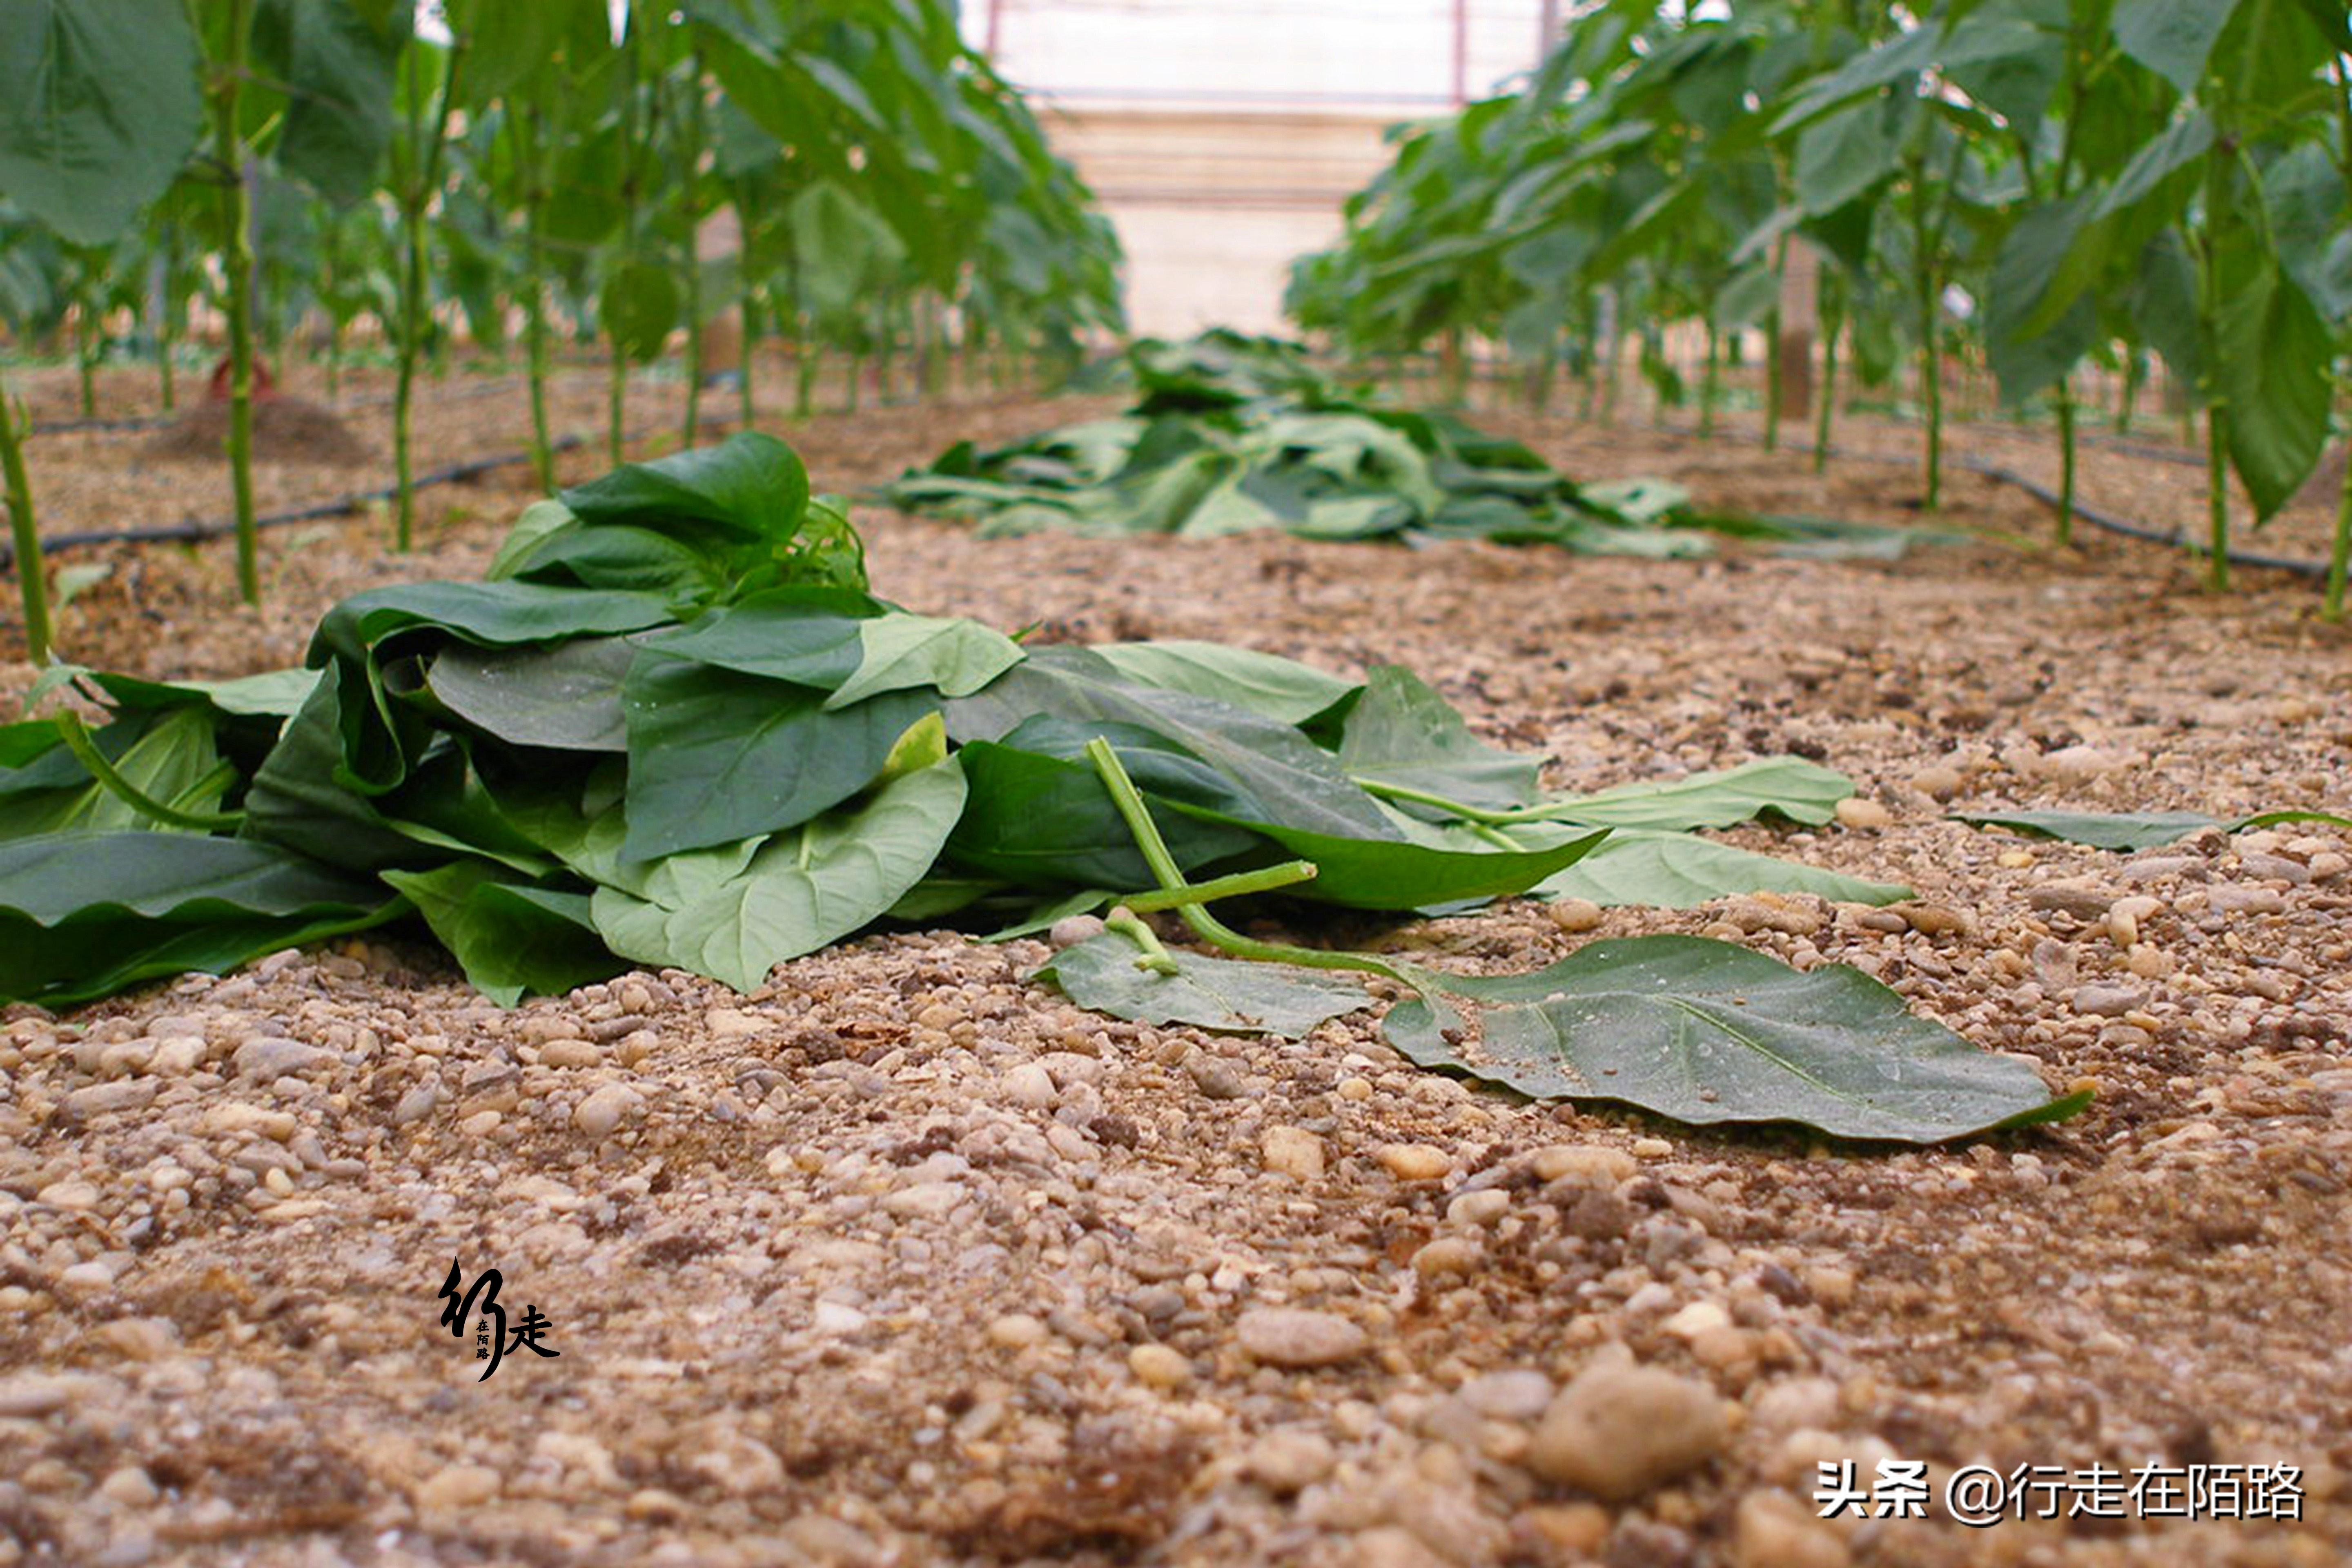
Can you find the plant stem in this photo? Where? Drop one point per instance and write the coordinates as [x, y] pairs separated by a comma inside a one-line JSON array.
[[24, 530], [534, 289], [1710, 383], [424, 174], [236, 215], [85, 750], [1238, 885], [1773, 390], [2340, 557], [748, 350], [1206, 926], [2217, 497], [691, 161], [1155, 955], [2066, 455], [1831, 311]]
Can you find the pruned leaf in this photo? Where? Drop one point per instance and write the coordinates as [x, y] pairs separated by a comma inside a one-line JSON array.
[[1282, 690], [716, 912], [1677, 871], [513, 940], [1401, 734], [2132, 830], [567, 697], [1222, 993], [1706, 1032], [951, 655], [1788, 786]]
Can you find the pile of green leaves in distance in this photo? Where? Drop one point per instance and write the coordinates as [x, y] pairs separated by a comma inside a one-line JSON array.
[[674, 729], [1230, 434]]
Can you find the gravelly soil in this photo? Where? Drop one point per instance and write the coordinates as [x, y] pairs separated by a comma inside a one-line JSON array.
[[904, 1260]]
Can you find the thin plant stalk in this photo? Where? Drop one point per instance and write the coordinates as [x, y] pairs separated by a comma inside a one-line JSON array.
[[2340, 556], [424, 174], [1931, 381], [534, 291], [2216, 411], [748, 296], [1833, 324], [2067, 461], [1710, 380], [1775, 392], [24, 528], [86, 342], [237, 221], [690, 159]]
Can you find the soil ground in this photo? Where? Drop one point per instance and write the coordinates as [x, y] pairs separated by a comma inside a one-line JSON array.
[[904, 1260]]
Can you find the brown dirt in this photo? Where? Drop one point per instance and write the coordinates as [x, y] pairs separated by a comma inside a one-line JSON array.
[[861, 1270], [285, 430]]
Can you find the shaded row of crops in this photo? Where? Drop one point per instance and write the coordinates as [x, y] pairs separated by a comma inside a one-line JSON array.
[[2052, 184], [485, 163]]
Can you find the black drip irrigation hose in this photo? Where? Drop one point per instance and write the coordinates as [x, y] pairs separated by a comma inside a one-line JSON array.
[[2106, 521]]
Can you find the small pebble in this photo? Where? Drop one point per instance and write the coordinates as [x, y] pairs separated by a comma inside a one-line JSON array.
[[1619, 1431], [1773, 1530], [1293, 1151], [1072, 930], [1159, 1366], [1415, 1162], [603, 1110], [1574, 915], [458, 1487], [1289, 1459], [1854, 811], [1296, 1336]]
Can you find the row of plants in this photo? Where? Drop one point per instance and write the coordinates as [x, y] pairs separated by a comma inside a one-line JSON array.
[[549, 164], [674, 728], [1229, 433], [2054, 184]]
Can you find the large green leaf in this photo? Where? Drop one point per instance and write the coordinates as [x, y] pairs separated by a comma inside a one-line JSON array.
[[494, 615], [717, 756], [334, 61], [1706, 1033], [1296, 782], [639, 308], [751, 485], [82, 915], [2274, 355], [1225, 995], [1788, 786], [98, 109], [567, 697], [717, 913], [2132, 830], [1677, 871], [1282, 690], [948, 653], [808, 635], [1039, 816], [1401, 734], [1416, 872], [513, 940], [2172, 37]]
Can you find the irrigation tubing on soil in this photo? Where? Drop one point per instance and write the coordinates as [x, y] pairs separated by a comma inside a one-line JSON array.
[[2042, 493]]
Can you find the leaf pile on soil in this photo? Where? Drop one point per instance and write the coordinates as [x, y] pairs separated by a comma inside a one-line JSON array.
[[901, 1259], [285, 430]]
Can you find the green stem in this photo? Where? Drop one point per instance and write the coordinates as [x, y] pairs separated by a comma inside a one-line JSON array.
[[747, 348], [78, 741], [1206, 926], [424, 172], [2066, 455], [1155, 955], [1240, 884], [1831, 312], [236, 211], [1774, 391], [2340, 557], [24, 530], [2217, 497], [1710, 382], [534, 287], [690, 158]]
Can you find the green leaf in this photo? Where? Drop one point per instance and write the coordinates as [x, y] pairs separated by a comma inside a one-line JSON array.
[[1296, 782], [807, 636], [1402, 734], [1677, 871], [750, 486], [513, 940], [1843, 156], [567, 697], [716, 756], [83, 915], [639, 308], [1413, 874], [2274, 355], [2172, 37], [494, 615], [1226, 994], [1282, 690], [951, 655], [99, 109], [1708, 1033], [2134, 830], [718, 914], [1044, 820], [335, 64], [1788, 786]]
